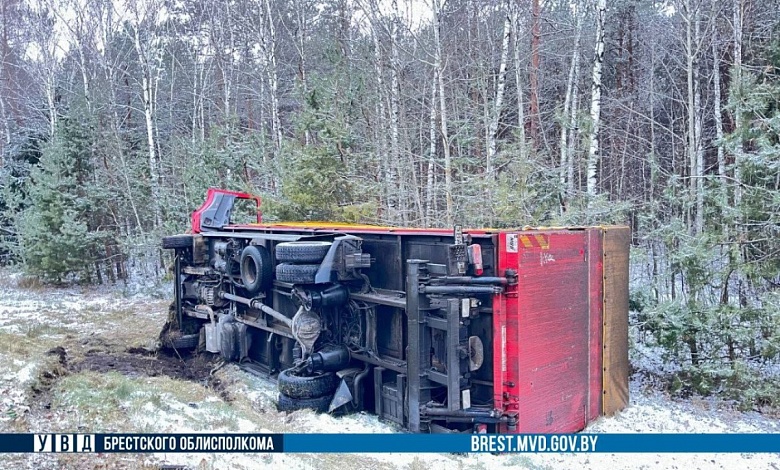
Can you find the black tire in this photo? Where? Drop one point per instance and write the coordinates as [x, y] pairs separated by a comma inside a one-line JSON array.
[[297, 273], [294, 386], [181, 342], [319, 404], [302, 252], [256, 268], [177, 242]]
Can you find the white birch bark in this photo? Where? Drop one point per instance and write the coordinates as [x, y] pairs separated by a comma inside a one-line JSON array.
[[4, 55], [430, 197], [570, 107], [379, 109], [439, 67], [695, 152], [699, 148], [393, 175], [268, 40], [737, 23], [146, 51], [574, 129], [519, 83], [498, 103], [106, 33], [595, 103], [717, 105]]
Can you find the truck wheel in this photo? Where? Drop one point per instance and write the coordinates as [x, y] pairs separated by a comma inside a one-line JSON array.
[[177, 241], [181, 341], [297, 273], [256, 268], [302, 252], [319, 404], [294, 386]]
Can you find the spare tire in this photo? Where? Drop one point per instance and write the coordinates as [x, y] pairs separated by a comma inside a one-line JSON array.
[[302, 252], [297, 273], [294, 386], [256, 268], [319, 404], [177, 242]]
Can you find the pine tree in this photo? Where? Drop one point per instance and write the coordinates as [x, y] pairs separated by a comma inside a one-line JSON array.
[[56, 239]]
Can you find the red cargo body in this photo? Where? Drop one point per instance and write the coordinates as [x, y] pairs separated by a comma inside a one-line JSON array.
[[547, 362]]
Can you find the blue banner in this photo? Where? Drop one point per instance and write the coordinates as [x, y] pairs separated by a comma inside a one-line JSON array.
[[534, 443], [372, 443]]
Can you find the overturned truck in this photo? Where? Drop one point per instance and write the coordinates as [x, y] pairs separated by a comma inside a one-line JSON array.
[[436, 330]]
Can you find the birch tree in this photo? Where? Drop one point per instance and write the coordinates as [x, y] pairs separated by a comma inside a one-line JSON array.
[[439, 68], [8, 12], [569, 116], [393, 175], [595, 100], [533, 76], [149, 48], [430, 195], [519, 81], [498, 102], [267, 33], [45, 63], [694, 147], [737, 7], [717, 91], [73, 15]]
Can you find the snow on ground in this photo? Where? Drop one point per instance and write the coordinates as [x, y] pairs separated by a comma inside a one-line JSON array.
[[32, 320]]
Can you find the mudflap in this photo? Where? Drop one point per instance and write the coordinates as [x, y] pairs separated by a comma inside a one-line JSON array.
[[341, 397]]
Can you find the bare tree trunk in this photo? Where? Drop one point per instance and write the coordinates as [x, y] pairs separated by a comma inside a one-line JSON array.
[[570, 106], [5, 53], [194, 117], [443, 113], [147, 96], [698, 127], [430, 200], [498, 103], [519, 83], [595, 102], [695, 153], [574, 130], [379, 110], [533, 79], [201, 104], [301, 31], [228, 66], [394, 177], [110, 73], [6, 125], [718, 108], [269, 41], [653, 161], [737, 22]]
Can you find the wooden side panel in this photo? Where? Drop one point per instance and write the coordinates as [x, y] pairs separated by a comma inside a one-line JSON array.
[[595, 258], [615, 327]]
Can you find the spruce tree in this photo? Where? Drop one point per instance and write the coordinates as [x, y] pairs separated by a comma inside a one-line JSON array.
[[56, 239]]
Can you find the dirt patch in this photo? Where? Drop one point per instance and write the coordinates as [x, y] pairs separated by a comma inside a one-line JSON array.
[[140, 362], [134, 363], [61, 354], [188, 367]]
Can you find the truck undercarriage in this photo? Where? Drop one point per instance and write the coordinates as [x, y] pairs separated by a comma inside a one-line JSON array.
[[436, 330]]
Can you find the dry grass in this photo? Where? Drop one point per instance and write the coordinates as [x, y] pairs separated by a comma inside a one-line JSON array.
[[29, 283]]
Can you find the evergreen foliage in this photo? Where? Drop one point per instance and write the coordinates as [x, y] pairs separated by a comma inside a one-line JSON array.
[[56, 230]]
